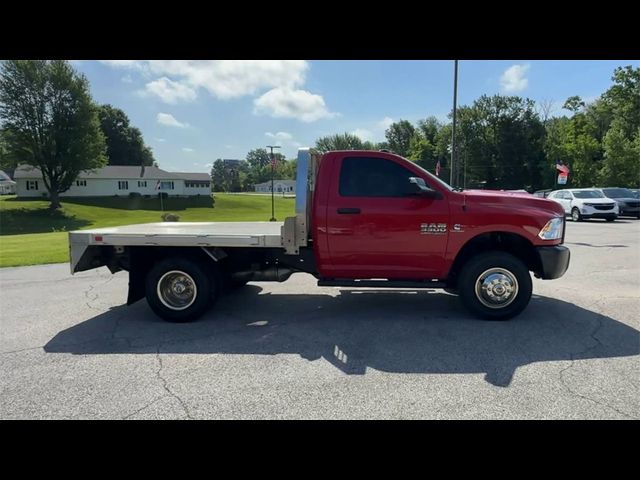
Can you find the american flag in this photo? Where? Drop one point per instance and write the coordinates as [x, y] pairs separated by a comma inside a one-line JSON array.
[[562, 167], [438, 168], [274, 161]]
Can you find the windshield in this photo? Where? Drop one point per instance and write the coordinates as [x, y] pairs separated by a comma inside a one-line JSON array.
[[587, 194], [618, 192], [433, 177]]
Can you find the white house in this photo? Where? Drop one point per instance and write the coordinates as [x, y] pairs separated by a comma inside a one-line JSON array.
[[279, 186], [117, 181], [7, 186]]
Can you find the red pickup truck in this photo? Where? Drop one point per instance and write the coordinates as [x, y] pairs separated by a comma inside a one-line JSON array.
[[363, 219]]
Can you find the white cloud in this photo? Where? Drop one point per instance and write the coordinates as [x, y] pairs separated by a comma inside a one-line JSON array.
[[161, 140], [169, 91], [280, 135], [136, 64], [170, 121], [224, 79], [127, 79], [513, 79], [363, 134], [288, 103], [385, 123], [187, 149]]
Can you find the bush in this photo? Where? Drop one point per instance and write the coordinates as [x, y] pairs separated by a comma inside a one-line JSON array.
[[163, 195], [135, 195], [170, 217]]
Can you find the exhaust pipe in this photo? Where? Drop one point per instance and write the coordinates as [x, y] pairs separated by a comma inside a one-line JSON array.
[[271, 274]]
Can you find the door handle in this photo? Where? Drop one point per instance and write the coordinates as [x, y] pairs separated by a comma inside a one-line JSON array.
[[348, 211]]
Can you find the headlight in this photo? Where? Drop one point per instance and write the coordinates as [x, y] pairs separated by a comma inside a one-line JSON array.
[[552, 230]]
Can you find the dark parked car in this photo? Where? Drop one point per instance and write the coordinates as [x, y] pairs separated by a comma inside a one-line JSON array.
[[628, 203]]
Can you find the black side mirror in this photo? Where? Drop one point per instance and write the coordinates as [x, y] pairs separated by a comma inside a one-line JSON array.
[[417, 186]]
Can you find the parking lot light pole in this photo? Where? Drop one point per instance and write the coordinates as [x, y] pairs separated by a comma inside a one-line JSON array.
[[273, 216], [453, 130]]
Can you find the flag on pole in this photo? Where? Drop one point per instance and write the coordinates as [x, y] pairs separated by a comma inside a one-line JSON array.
[[562, 167], [438, 168], [158, 185], [274, 161]]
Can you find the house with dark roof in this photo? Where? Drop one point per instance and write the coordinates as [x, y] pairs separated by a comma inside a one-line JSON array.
[[115, 180]]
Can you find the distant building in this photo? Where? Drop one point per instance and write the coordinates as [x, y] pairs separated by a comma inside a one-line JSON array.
[[279, 186], [231, 163], [117, 180], [7, 186]]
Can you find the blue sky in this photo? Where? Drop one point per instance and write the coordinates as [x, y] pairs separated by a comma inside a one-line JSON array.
[[192, 112]]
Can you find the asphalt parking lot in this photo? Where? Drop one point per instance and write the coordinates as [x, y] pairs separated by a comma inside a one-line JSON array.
[[69, 348]]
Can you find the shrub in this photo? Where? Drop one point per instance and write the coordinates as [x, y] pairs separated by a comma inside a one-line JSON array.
[[163, 195], [170, 217], [134, 195]]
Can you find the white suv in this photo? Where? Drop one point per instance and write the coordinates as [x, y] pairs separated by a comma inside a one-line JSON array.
[[583, 203]]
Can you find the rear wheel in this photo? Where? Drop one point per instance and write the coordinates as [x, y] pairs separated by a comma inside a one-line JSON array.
[[575, 215], [495, 286], [179, 290], [610, 219]]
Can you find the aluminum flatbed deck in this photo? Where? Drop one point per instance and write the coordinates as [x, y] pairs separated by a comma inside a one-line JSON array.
[[185, 234]]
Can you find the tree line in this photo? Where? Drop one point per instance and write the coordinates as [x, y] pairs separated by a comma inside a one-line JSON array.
[[49, 120], [508, 142]]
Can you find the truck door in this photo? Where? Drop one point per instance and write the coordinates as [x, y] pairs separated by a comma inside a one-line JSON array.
[[377, 227]]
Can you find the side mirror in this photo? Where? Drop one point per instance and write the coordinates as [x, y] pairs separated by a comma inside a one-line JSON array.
[[417, 186]]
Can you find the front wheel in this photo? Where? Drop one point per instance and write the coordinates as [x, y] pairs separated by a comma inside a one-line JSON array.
[[610, 219], [179, 290], [495, 286], [575, 215]]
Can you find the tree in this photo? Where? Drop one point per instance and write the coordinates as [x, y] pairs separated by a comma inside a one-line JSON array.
[[399, 135], [501, 141], [52, 122], [573, 104], [218, 176], [623, 99], [125, 145], [258, 158], [345, 141], [621, 166]]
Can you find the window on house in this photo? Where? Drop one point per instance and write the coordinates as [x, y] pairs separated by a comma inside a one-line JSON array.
[[166, 185], [142, 183], [81, 183], [32, 185], [123, 185], [373, 177]]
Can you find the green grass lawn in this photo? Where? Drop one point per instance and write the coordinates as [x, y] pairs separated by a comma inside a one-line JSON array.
[[31, 235]]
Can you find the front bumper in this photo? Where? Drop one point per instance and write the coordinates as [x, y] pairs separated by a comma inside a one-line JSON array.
[[554, 261]]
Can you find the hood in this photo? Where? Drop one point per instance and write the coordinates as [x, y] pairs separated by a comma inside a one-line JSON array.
[[513, 200], [626, 199]]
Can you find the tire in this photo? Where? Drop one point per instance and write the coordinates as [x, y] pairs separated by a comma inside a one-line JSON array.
[[507, 271], [610, 219], [451, 291], [575, 215], [198, 289]]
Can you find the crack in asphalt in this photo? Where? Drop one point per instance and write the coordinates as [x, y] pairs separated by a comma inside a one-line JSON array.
[[21, 350], [166, 386], [97, 295], [573, 355], [144, 407]]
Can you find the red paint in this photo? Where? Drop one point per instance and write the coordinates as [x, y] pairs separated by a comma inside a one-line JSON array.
[[385, 241], [98, 238]]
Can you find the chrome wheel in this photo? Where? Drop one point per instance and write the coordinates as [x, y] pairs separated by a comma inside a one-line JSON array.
[[177, 290], [496, 288]]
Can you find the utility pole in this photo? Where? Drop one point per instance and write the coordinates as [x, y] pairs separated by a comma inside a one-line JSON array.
[[453, 132], [273, 216]]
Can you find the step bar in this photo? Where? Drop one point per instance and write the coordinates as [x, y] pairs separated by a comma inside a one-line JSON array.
[[345, 282]]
